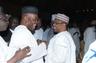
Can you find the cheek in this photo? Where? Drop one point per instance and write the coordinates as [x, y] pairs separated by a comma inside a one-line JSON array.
[[3, 26]]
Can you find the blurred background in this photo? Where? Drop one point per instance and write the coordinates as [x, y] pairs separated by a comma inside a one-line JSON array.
[[78, 10]]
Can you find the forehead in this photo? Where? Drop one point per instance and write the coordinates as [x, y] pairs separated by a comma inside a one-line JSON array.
[[57, 20], [31, 14]]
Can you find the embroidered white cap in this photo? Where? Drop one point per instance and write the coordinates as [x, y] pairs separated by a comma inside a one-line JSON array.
[[62, 17]]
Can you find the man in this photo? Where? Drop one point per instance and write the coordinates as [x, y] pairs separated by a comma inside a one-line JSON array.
[[89, 35], [75, 32], [61, 47], [23, 37], [4, 49]]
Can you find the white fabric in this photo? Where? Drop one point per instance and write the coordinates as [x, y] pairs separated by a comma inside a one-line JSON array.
[[61, 49], [38, 34], [90, 56], [21, 38], [76, 35], [3, 51], [6, 53], [89, 37]]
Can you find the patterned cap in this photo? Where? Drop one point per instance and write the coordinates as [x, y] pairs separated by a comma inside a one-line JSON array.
[[62, 17]]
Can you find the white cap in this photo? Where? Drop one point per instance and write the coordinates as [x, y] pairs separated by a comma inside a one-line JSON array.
[[61, 17]]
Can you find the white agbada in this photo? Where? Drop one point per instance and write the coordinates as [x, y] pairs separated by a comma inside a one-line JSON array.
[[5, 51], [21, 38], [89, 37], [76, 37], [90, 56], [38, 34], [61, 49]]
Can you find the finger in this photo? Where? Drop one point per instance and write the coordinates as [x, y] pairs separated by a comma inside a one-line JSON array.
[[27, 50], [26, 47], [28, 55]]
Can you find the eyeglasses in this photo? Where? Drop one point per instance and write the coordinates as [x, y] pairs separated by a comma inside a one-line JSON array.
[[3, 18], [57, 23]]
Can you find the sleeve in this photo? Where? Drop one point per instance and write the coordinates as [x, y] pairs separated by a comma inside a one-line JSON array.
[[60, 51], [21, 40], [37, 53]]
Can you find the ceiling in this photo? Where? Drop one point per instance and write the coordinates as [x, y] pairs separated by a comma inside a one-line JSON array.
[[69, 7]]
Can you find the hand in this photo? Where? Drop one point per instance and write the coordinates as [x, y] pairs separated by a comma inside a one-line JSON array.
[[22, 53], [39, 41], [19, 55]]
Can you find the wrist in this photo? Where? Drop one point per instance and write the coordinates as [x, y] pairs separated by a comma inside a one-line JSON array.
[[12, 60]]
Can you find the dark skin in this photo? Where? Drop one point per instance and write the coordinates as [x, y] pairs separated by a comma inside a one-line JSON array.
[[19, 55]]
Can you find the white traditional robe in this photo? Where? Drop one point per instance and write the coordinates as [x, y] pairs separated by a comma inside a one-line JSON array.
[[21, 38], [5, 51], [89, 37], [61, 49]]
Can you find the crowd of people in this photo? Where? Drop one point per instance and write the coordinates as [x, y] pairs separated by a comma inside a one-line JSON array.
[[25, 40]]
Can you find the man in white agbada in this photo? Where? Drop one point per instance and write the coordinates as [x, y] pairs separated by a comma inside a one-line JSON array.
[[5, 51], [22, 36], [90, 56], [89, 35], [61, 48]]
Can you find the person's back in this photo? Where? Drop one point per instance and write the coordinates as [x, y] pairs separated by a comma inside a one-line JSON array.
[[89, 37], [76, 37], [22, 37]]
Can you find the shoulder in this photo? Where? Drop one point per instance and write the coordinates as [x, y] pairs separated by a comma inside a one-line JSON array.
[[93, 45]]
